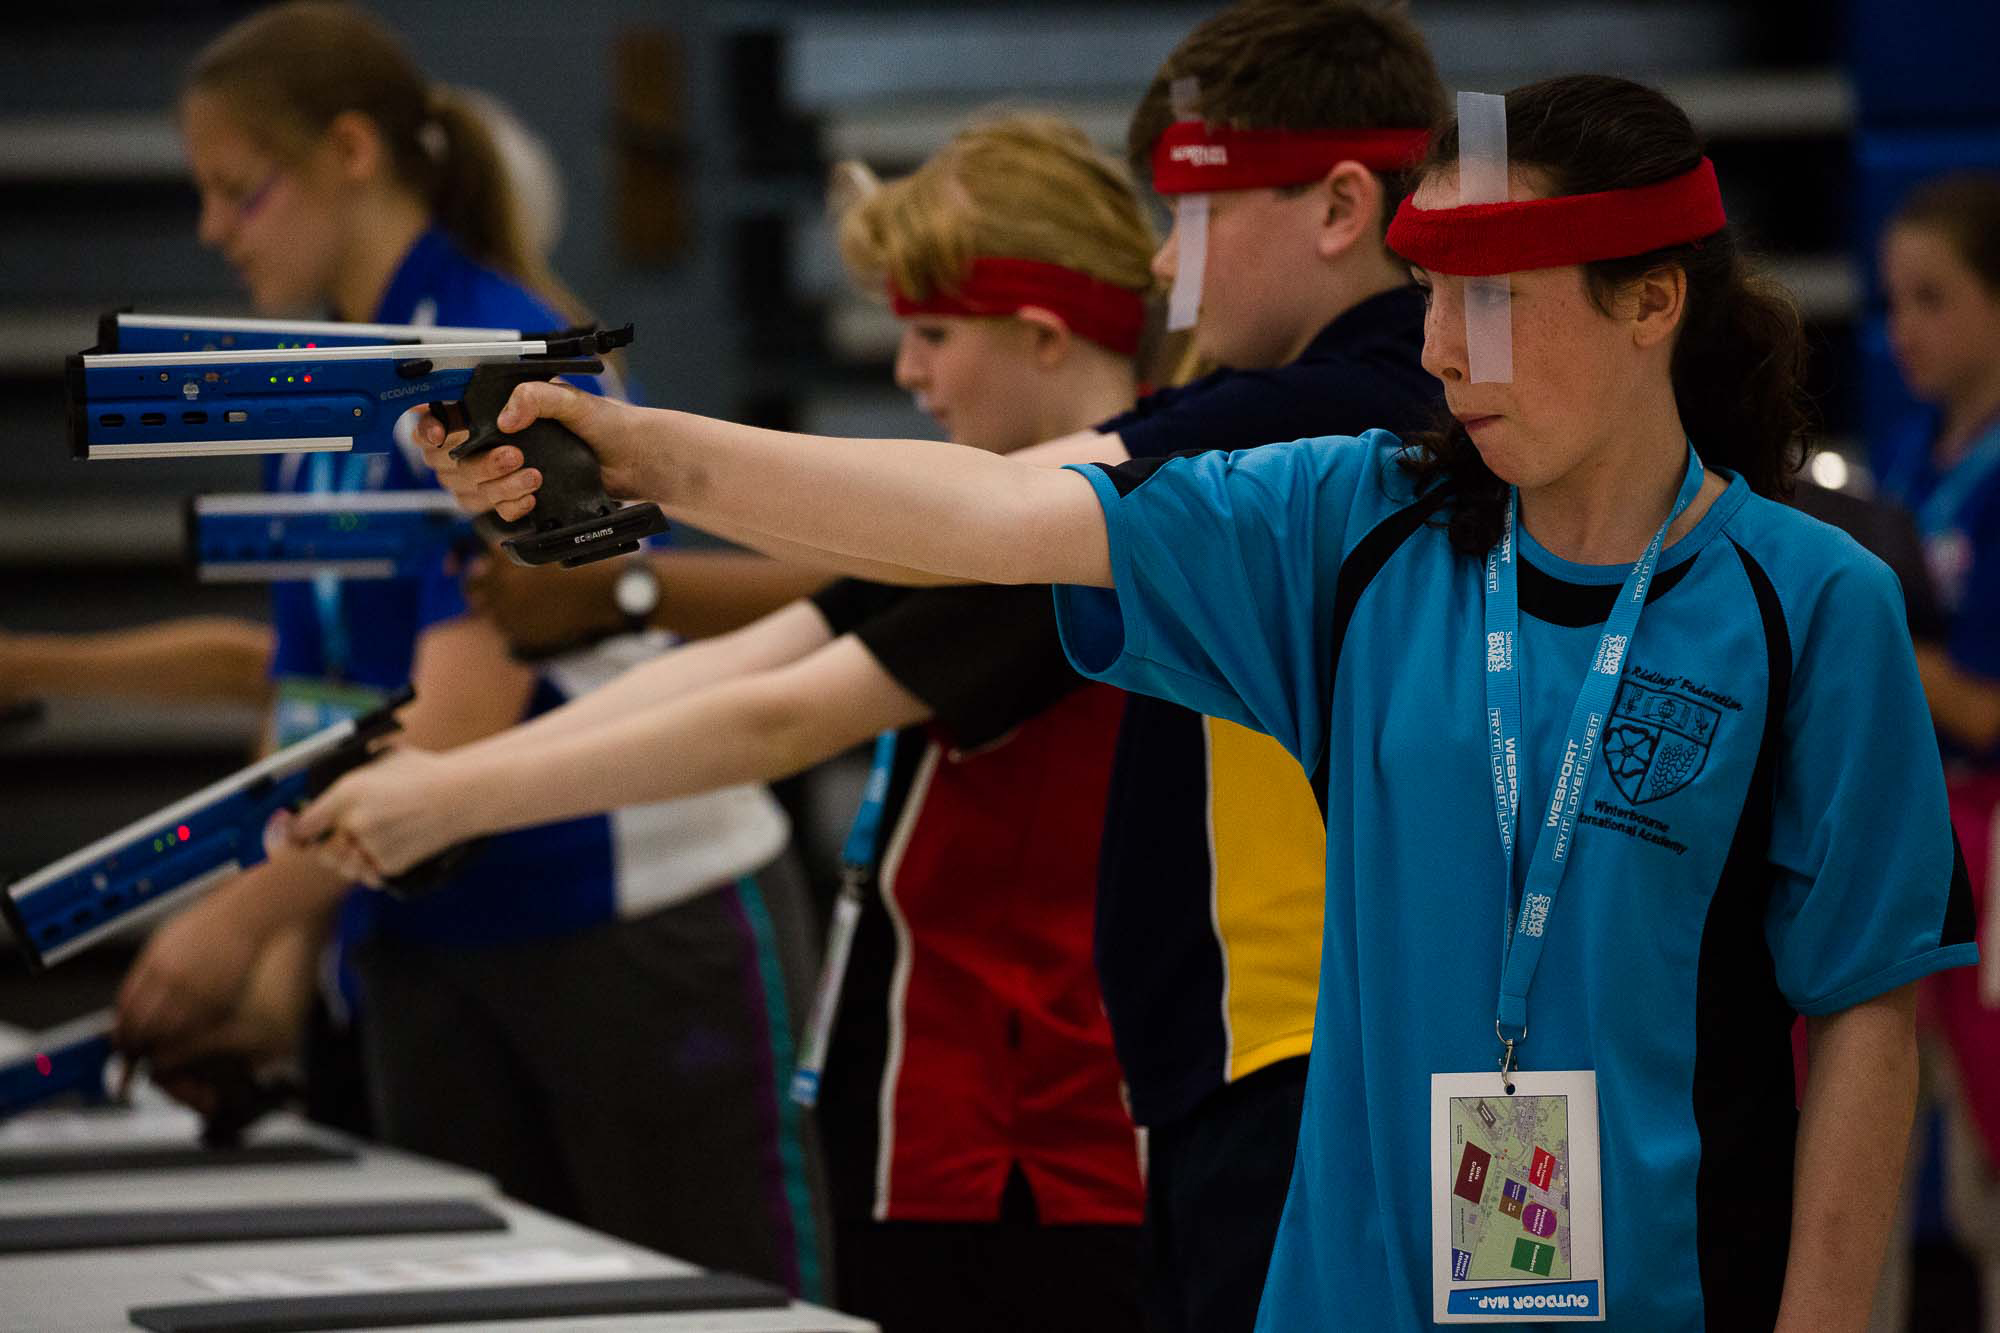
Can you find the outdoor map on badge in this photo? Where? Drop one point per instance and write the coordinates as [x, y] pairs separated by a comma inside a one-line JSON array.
[[1517, 1209], [1510, 1197]]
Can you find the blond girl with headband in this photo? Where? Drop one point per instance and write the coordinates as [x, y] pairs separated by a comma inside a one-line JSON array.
[[984, 1169], [1000, 223]]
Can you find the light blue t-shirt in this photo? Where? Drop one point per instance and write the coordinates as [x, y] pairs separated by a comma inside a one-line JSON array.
[[1765, 835], [1958, 512]]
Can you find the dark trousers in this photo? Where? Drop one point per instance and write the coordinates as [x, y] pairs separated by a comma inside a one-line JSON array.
[[335, 1078], [630, 1077], [1009, 1276], [1216, 1181]]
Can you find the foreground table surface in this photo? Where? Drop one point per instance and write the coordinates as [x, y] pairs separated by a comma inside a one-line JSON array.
[[70, 1292]]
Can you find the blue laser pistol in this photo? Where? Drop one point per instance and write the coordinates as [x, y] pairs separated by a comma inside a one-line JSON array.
[[65, 1061], [176, 853], [178, 403], [261, 538]]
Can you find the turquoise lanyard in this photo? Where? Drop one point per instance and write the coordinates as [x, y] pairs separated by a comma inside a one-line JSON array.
[[858, 856], [857, 865], [335, 646], [1521, 944]]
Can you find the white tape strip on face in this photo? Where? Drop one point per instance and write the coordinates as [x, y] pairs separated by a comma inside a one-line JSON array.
[[1190, 226], [1190, 259], [1482, 179]]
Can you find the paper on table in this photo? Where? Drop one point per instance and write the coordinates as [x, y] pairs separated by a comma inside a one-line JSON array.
[[495, 1268], [115, 1126]]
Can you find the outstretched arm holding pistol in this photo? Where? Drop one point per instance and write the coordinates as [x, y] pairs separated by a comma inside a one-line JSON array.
[[193, 972], [940, 509]]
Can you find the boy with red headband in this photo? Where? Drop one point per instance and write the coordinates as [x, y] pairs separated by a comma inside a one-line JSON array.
[[1294, 123], [1283, 161]]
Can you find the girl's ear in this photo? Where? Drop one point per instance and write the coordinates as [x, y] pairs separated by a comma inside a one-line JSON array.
[[1658, 303], [357, 147], [1049, 332]]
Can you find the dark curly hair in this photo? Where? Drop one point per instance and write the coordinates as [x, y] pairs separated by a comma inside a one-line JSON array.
[[1739, 357]]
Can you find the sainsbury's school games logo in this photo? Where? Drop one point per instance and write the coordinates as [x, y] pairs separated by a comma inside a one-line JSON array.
[[1657, 742]]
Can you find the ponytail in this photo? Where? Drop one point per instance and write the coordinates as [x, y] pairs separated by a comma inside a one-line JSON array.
[[473, 198]]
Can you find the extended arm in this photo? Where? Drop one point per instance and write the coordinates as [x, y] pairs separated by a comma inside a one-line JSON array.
[[1854, 1131], [828, 563], [198, 658], [194, 968], [1084, 446], [780, 638], [1965, 706], [934, 507], [266, 1024], [759, 727], [706, 593], [545, 609]]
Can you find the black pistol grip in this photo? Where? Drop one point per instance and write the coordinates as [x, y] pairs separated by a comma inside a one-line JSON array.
[[360, 749], [426, 877], [574, 521], [572, 487], [239, 1096], [494, 530]]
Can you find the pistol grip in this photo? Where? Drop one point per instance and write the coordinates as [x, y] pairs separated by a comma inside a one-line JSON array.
[[427, 877], [573, 522]]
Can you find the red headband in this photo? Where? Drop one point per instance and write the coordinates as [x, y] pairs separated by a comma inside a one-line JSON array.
[[1479, 240], [1106, 314], [1191, 157]]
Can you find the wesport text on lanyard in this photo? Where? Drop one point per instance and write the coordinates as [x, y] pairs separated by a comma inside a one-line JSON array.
[[1524, 930], [857, 865]]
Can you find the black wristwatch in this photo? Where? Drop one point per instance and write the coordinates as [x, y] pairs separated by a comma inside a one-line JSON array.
[[637, 594]]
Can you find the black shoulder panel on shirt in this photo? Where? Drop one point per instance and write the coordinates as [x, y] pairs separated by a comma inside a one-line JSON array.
[[1557, 601], [1357, 571], [1961, 920], [1128, 476], [1777, 639], [1744, 1102]]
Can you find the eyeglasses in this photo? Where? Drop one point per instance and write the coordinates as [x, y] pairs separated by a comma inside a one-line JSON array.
[[244, 204]]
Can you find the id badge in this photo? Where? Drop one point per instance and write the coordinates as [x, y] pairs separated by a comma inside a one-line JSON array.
[[1517, 1222], [306, 705]]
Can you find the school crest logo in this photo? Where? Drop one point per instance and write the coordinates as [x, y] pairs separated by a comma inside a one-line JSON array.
[[1657, 742]]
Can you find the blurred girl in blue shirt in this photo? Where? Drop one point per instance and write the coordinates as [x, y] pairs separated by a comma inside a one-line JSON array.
[[1940, 266], [547, 1016]]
